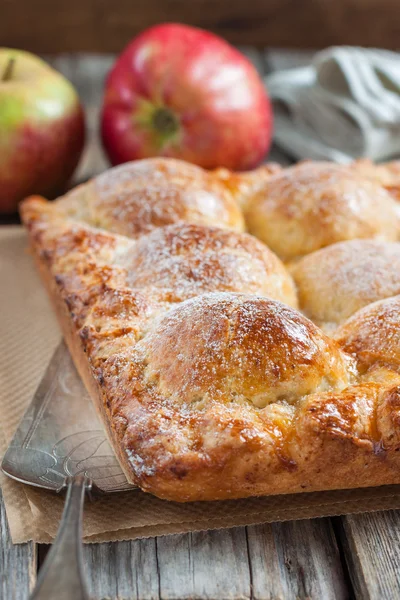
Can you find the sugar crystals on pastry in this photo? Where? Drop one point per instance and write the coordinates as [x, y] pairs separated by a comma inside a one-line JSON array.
[[312, 205], [336, 281], [134, 198], [182, 260], [372, 335]]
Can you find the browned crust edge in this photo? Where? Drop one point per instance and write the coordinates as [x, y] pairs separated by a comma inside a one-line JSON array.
[[79, 357]]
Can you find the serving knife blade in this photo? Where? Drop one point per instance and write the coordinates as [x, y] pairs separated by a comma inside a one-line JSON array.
[[60, 435], [60, 445]]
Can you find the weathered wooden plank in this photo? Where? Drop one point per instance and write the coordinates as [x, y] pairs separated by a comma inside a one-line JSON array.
[[298, 559], [73, 25], [17, 563], [282, 560], [371, 545], [121, 570], [204, 565]]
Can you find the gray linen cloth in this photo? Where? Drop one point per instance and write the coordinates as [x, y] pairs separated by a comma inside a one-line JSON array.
[[345, 105]]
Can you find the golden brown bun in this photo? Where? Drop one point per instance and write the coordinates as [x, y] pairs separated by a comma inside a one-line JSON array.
[[312, 205], [242, 348], [182, 261], [335, 282], [134, 198], [372, 335]]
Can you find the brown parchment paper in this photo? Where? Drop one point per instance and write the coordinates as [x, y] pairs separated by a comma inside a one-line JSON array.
[[29, 335]]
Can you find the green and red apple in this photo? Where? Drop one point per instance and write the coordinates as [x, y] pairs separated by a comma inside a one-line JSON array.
[[186, 93], [41, 128]]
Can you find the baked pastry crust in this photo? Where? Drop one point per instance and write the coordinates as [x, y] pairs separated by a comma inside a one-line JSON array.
[[210, 383]]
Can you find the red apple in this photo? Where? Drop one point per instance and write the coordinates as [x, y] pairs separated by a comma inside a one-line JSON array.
[[182, 92], [41, 128]]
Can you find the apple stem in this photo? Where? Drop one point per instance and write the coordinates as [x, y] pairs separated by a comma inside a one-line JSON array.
[[165, 121], [8, 70]]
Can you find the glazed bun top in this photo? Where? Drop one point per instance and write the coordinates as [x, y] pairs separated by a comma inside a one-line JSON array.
[[312, 205], [135, 198], [372, 335], [335, 282], [240, 348], [181, 261]]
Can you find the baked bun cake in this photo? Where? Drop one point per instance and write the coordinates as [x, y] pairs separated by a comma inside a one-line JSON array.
[[239, 333]]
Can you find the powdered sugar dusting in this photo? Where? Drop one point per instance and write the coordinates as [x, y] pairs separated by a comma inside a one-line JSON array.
[[312, 205], [372, 334], [182, 261], [238, 347], [339, 280], [137, 197]]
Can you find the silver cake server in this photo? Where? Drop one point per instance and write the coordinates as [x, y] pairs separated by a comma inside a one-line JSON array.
[[60, 445]]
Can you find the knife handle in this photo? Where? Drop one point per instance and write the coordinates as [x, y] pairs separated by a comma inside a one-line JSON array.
[[62, 574]]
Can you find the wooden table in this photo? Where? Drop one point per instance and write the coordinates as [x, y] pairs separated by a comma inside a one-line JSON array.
[[322, 559]]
